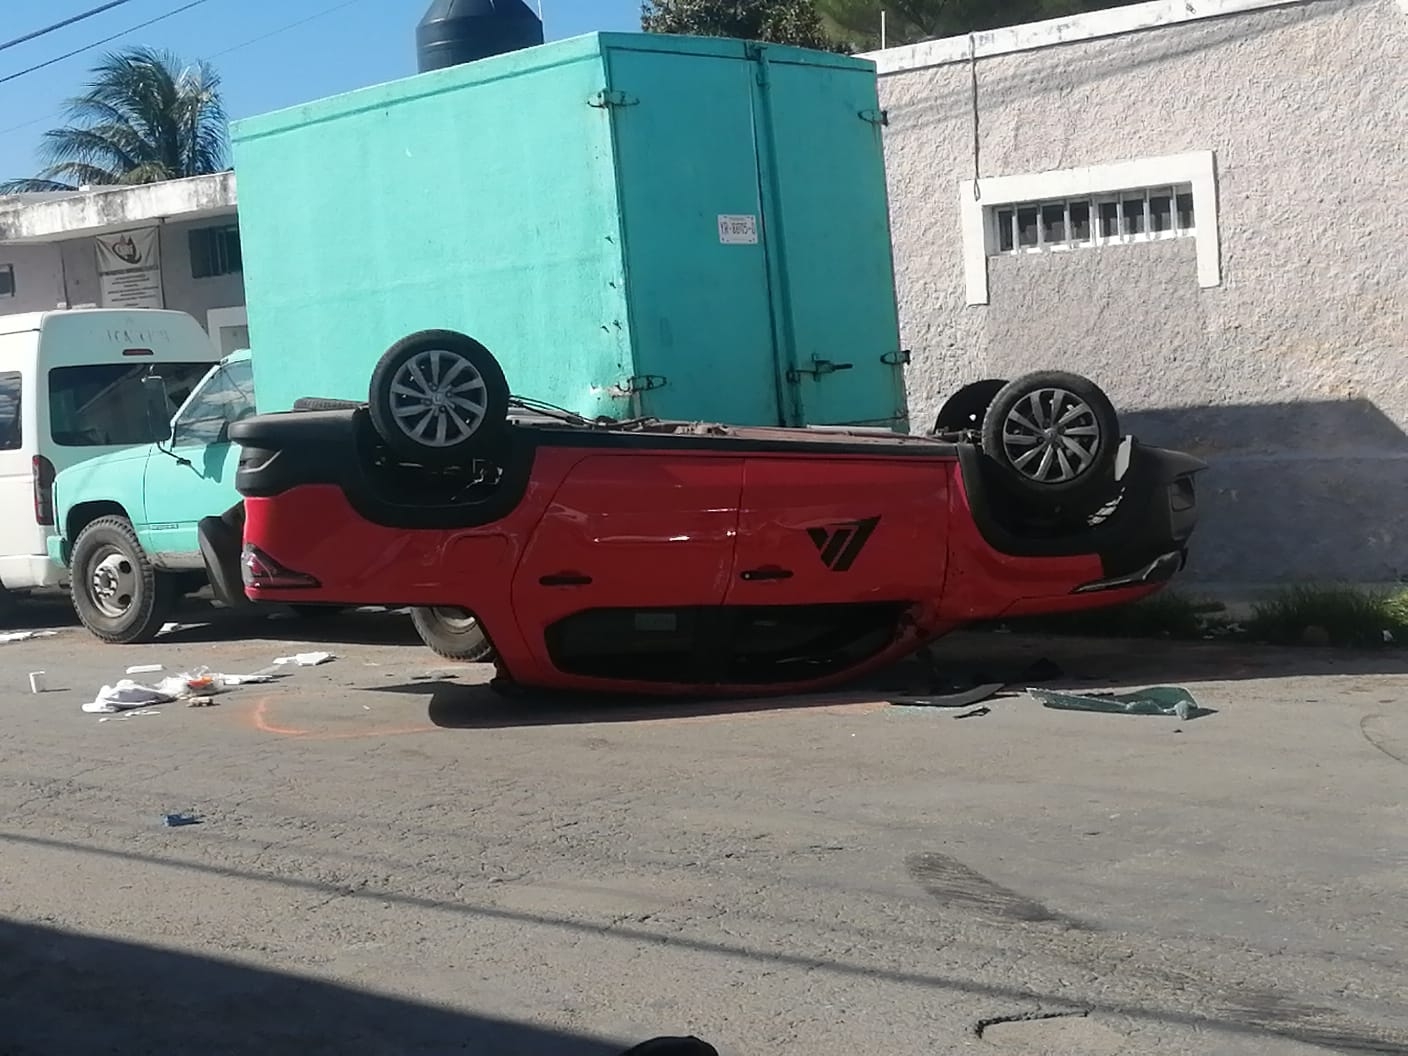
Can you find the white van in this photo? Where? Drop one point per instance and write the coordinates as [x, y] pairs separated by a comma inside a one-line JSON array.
[[70, 389]]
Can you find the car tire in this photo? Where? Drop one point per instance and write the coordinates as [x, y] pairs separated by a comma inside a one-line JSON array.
[[1056, 436], [321, 403], [422, 416], [118, 595], [453, 634], [964, 409]]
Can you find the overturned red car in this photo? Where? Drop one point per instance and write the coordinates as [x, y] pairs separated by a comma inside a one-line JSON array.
[[687, 557]]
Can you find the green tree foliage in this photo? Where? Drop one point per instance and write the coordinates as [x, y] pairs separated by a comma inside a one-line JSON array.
[[143, 118], [857, 22], [776, 21]]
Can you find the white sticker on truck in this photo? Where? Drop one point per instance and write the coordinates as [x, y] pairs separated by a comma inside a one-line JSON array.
[[738, 230]]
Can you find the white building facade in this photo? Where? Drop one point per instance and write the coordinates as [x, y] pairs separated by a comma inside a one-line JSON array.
[[165, 245], [1203, 206]]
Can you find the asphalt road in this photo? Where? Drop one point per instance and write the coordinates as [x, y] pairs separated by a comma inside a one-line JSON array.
[[390, 859]]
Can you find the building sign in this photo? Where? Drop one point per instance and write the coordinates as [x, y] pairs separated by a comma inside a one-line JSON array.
[[129, 269]]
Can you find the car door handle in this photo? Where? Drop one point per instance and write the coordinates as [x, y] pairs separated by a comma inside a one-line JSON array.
[[565, 579], [766, 572]]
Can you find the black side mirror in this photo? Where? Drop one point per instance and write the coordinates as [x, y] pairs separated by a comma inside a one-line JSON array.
[[158, 412]]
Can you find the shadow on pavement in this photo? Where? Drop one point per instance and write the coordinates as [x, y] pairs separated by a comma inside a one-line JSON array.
[[65, 992], [959, 661]]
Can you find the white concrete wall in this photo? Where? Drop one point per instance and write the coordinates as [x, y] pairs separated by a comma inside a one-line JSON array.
[[38, 285], [48, 275], [1290, 375]]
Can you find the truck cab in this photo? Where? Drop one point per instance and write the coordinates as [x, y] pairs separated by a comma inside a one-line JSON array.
[[127, 522]]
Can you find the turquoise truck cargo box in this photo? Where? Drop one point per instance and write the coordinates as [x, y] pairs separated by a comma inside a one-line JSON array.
[[634, 224]]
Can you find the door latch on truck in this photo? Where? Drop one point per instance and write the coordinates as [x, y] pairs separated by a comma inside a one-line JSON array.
[[876, 117], [641, 383], [817, 369], [605, 99], [896, 359]]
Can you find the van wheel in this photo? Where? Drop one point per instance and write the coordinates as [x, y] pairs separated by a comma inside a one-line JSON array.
[[453, 634], [117, 593]]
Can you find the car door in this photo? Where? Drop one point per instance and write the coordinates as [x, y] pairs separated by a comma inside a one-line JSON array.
[[835, 530], [627, 532], [194, 476]]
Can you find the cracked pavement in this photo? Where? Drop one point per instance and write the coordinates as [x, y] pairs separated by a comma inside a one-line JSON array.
[[391, 859]]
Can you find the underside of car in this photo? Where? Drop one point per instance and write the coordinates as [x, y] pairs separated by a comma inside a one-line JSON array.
[[652, 556]]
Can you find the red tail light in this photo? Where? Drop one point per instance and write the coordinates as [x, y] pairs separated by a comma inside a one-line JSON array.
[[258, 569], [42, 470]]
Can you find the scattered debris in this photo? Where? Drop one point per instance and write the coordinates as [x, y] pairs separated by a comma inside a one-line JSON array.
[[1156, 700], [975, 713], [201, 702], [23, 636], [145, 669], [124, 716], [172, 821], [124, 695], [306, 659], [36, 682], [962, 699], [246, 680]]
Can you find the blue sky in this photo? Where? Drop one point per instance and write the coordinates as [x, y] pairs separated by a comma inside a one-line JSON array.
[[362, 42]]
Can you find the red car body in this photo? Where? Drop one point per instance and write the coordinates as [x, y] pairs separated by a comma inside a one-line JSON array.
[[679, 559]]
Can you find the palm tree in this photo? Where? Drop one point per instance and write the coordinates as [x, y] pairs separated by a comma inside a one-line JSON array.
[[144, 117]]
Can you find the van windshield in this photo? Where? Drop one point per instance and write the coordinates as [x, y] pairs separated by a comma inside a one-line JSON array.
[[102, 404]]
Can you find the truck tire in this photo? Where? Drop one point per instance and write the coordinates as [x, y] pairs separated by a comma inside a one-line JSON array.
[[453, 634], [438, 397], [117, 593], [1056, 436]]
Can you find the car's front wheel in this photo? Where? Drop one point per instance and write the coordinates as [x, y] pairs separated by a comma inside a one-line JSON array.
[[454, 634], [1057, 435], [118, 595]]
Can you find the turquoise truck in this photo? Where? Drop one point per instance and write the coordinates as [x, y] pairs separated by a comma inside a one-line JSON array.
[[634, 224]]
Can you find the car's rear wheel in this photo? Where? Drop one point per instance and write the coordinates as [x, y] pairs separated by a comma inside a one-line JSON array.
[[118, 595], [453, 633], [438, 397], [1056, 435]]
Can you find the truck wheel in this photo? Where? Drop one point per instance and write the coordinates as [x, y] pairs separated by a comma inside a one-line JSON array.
[[438, 397], [117, 593], [453, 634], [1056, 434]]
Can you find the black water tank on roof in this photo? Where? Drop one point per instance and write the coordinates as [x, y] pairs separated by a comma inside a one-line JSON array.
[[457, 31]]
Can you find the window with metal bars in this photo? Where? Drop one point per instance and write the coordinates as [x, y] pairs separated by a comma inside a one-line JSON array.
[[215, 251], [1138, 215]]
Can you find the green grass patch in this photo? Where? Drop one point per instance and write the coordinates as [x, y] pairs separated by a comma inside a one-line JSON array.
[[1331, 615]]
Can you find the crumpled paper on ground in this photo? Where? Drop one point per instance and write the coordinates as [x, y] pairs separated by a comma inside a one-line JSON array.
[[1156, 700], [23, 636], [124, 695], [306, 659]]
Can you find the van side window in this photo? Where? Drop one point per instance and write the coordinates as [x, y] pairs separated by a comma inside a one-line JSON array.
[[11, 427], [102, 404], [226, 398]]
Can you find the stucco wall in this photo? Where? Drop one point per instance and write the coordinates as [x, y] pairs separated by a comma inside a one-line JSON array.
[[37, 285], [42, 282], [1291, 377]]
